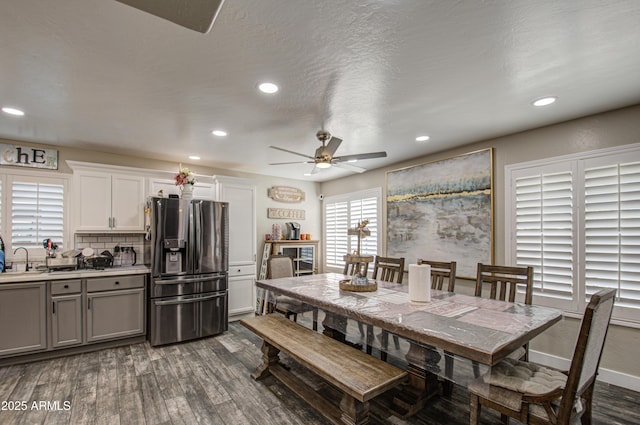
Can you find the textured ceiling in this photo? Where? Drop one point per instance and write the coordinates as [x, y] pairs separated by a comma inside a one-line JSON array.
[[101, 75]]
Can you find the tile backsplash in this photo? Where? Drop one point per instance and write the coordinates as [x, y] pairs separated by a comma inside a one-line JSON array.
[[101, 241]]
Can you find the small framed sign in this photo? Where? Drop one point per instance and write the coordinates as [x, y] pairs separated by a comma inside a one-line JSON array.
[[285, 213], [286, 194]]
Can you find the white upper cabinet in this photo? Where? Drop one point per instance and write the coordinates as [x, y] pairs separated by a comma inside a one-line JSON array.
[[108, 201]]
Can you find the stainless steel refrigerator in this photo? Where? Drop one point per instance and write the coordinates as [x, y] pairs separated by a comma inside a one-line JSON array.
[[188, 248]]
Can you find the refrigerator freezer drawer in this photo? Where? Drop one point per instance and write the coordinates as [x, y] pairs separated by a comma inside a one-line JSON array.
[[184, 318]]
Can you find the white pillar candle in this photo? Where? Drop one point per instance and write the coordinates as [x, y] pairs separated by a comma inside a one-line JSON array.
[[419, 282]]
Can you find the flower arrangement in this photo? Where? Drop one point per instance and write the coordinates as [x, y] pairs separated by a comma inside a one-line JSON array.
[[363, 224], [184, 176]]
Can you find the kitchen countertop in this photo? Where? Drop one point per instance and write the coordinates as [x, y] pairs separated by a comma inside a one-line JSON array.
[[37, 276]]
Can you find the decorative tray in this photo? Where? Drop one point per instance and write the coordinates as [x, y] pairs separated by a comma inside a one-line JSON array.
[[347, 285]]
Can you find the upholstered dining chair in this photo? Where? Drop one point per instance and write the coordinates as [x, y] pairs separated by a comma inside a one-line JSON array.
[[280, 266], [535, 394], [388, 269]]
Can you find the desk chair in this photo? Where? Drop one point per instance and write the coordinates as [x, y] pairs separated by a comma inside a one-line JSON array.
[[539, 395], [279, 266]]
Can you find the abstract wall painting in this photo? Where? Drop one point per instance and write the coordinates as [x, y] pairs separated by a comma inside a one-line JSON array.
[[443, 211]]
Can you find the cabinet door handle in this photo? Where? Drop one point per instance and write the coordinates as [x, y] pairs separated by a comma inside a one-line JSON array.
[[53, 307], [113, 220], [88, 303], [117, 282], [66, 286]]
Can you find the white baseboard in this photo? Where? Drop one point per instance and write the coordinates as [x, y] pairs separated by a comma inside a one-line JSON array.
[[604, 375]]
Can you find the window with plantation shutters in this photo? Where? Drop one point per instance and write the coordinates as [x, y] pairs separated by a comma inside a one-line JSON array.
[[544, 236], [576, 220], [32, 208], [612, 229], [346, 211], [37, 213]]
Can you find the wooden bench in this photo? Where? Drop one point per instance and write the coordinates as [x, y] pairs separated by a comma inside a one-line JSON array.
[[359, 376]]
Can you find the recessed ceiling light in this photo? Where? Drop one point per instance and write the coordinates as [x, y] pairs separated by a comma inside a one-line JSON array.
[[544, 101], [194, 157], [352, 160], [268, 88], [307, 174], [422, 138], [12, 111], [219, 133]]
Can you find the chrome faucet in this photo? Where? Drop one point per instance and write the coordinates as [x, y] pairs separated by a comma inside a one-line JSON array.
[[26, 267]]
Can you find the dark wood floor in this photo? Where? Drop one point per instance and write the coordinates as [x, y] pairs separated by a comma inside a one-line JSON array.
[[207, 382]]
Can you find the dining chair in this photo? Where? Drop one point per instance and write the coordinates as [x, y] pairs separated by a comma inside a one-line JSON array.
[[388, 269], [442, 272], [535, 394], [503, 283], [280, 266], [355, 267]]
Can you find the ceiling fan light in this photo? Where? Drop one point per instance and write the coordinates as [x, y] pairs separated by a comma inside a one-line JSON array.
[[323, 164]]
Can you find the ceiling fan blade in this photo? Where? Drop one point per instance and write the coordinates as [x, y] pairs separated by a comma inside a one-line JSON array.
[[347, 166], [291, 152], [197, 15], [286, 163], [360, 156], [333, 145]]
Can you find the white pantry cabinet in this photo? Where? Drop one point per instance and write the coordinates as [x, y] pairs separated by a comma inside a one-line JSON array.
[[108, 201], [241, 196]]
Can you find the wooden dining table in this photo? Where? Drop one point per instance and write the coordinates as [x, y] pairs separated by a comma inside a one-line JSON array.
[[479, 329]]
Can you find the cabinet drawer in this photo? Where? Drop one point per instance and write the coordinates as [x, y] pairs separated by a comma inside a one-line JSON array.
[[66, 287], [242, 270], [116, 282]]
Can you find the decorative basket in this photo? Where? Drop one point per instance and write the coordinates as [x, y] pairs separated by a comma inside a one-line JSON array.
[[346, 285]]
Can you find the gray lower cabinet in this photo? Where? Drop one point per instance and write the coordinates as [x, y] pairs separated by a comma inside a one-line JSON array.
[[66, 313], [23, 320], [115, 307]]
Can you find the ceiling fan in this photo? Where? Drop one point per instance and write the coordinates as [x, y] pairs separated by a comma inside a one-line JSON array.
[[323, 157], [197, 15]]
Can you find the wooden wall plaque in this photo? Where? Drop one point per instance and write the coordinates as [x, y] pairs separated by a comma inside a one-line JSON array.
[[286, 194]]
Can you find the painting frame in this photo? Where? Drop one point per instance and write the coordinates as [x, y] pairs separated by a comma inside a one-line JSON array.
[[446, 203]]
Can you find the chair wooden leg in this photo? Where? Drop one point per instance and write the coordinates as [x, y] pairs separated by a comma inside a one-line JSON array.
[[396, 342], [315, 319], [474, 409], [361, 329], [384, 345], [476, 369], [447, 384], [369, 339]]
